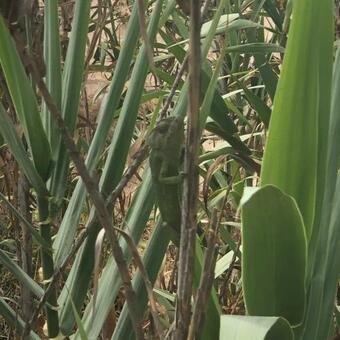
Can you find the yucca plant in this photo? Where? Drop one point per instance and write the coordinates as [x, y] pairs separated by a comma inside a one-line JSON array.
[[289, 241]]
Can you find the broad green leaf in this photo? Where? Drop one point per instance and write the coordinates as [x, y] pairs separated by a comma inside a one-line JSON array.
[[52, 60], [274, 255], [17, 149], [291, 155], [25, 102], [237, 327], [71, 86], [325, 129], [324, 244]]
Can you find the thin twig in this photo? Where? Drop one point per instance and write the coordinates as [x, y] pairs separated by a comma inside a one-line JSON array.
[[144, 35], [139, 157], [206, 280], [190, 189], [96, 197], [178, 78]]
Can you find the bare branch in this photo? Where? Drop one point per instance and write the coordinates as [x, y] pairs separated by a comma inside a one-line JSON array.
[[190, 190]]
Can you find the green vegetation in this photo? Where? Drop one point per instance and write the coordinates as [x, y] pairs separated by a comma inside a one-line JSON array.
[[264, 259]]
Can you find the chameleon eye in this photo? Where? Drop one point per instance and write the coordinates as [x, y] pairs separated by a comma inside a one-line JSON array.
[[162, 127]]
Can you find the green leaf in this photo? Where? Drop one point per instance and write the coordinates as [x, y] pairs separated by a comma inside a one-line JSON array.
[[236, 327], [71, 86], [223, 22], [14, 320], [257, 104], [158, 244], [39, 239], [20, 275], [291, 155], [212, 309], [17, 149], [80, 325], [110, 281], [274, 255], [256, 48], [53, 70], [25, 102], [229, 22]]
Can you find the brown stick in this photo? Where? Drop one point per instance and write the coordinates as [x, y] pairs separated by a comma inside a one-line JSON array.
[[190, 190]]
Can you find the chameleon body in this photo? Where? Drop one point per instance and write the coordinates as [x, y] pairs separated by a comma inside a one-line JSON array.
[[166, 143]]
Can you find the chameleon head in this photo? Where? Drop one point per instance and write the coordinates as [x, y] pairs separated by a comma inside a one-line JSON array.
[[168, 136]]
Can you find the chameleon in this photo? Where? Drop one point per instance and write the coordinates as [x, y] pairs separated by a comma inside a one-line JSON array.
[[166, 144]]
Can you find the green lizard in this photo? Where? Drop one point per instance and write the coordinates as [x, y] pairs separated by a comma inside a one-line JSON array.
[[166, 142]]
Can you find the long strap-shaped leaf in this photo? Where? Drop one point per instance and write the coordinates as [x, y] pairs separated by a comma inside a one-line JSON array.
[[14, 143], [53, 70], [38, 238], [291, 155], [21, 275], [71, 86], [120, 144], [68, 227], [326, 266], [14, 320], [25, 102]]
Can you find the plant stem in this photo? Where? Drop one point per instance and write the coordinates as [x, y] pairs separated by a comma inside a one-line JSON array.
[[190, 190], [48, 267]]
